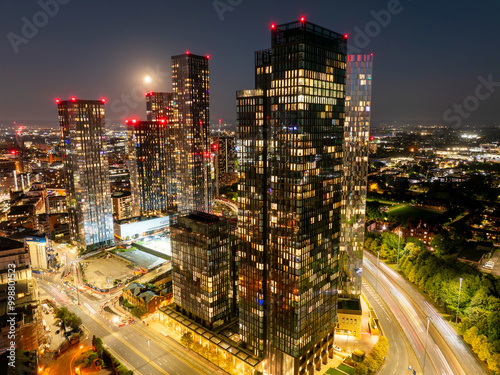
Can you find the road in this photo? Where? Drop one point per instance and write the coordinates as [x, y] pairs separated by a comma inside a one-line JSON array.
[[446, 351], [131, 345], [400, 354]]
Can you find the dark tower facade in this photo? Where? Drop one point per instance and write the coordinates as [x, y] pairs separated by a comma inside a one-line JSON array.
[[88, 190], [291, 132], [190, 81], [151, 165]]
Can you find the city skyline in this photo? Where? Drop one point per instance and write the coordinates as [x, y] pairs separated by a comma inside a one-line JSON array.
[[295, 232], [410, 53]]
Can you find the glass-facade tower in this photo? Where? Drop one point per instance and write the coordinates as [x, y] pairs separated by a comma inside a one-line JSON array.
[[88, 191], [357, 134], [201, 274], [151, 165], [190, 82], [291, 131]]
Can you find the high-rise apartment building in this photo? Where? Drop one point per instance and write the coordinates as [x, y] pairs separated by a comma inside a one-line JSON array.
[[160, 105], [201, 274], [151, 166], [291, 129], [354, 189], [86, 172], [190, 81]]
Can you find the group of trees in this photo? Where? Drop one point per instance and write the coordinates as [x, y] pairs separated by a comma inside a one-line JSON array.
[[390, 244], [439, 276], [107, 358], [375, 359], [68, 319]]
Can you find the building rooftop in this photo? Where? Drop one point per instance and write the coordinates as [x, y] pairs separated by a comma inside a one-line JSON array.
[[121, 194], [24, 209], [203, 217], [8, 244]]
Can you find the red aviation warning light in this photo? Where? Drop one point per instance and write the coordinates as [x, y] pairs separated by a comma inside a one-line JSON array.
[[187, 52], [208, 57], [126, 121], [57, 101], [215, 147], [302, 19], [103, 100], [73, 99], [273, 26], [13, 152], [163, 121], [346, 36], [134, 121]]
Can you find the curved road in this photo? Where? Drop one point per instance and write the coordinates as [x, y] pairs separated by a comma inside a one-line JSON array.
[[400, 354], [446, 351]]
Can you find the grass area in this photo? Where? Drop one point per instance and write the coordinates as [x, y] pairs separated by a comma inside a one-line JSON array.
[[332, 371], [347, 369], [414, 212], [383, 201], [123, 250]]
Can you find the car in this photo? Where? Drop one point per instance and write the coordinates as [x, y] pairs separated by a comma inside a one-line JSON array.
[[337, 348]]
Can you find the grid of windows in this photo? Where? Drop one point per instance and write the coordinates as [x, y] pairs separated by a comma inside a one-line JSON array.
[[190, 81], [289, 195], [151, 166], [357, 133], [201, 268], [86, 172]]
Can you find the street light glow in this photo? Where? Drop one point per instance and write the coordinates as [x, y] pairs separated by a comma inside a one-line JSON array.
[[148, 79]]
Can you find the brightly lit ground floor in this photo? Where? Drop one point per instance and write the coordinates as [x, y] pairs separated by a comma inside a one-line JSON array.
[[218, 348]]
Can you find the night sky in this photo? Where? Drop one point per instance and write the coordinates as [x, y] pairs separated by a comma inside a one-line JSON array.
[[429, 56]]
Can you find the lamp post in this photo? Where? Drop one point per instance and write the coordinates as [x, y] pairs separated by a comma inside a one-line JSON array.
[[376, 280], [426, 337], [458, 303], [399, 241]]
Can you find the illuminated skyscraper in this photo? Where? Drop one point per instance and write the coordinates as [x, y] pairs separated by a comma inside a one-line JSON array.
[[190, 81], [86, 172], [160, 105], [201, 268], [354, 189], [151, 166], [291, 129]]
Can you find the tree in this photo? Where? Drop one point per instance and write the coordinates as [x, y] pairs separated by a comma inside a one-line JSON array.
[[361, 369], [371, 364], [187, 339], [442, 243], [74, 322]]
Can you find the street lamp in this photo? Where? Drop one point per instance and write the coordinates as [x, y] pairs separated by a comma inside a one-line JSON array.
[[458, 303], [426, 337], [399, 241], [376, 280]]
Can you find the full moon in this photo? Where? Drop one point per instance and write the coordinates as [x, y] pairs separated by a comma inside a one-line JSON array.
[[147, 79]]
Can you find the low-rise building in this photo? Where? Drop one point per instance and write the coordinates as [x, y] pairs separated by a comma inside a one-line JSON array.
[[138, 295]]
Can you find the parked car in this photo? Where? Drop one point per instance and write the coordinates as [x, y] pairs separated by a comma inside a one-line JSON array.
[[337, 348]]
